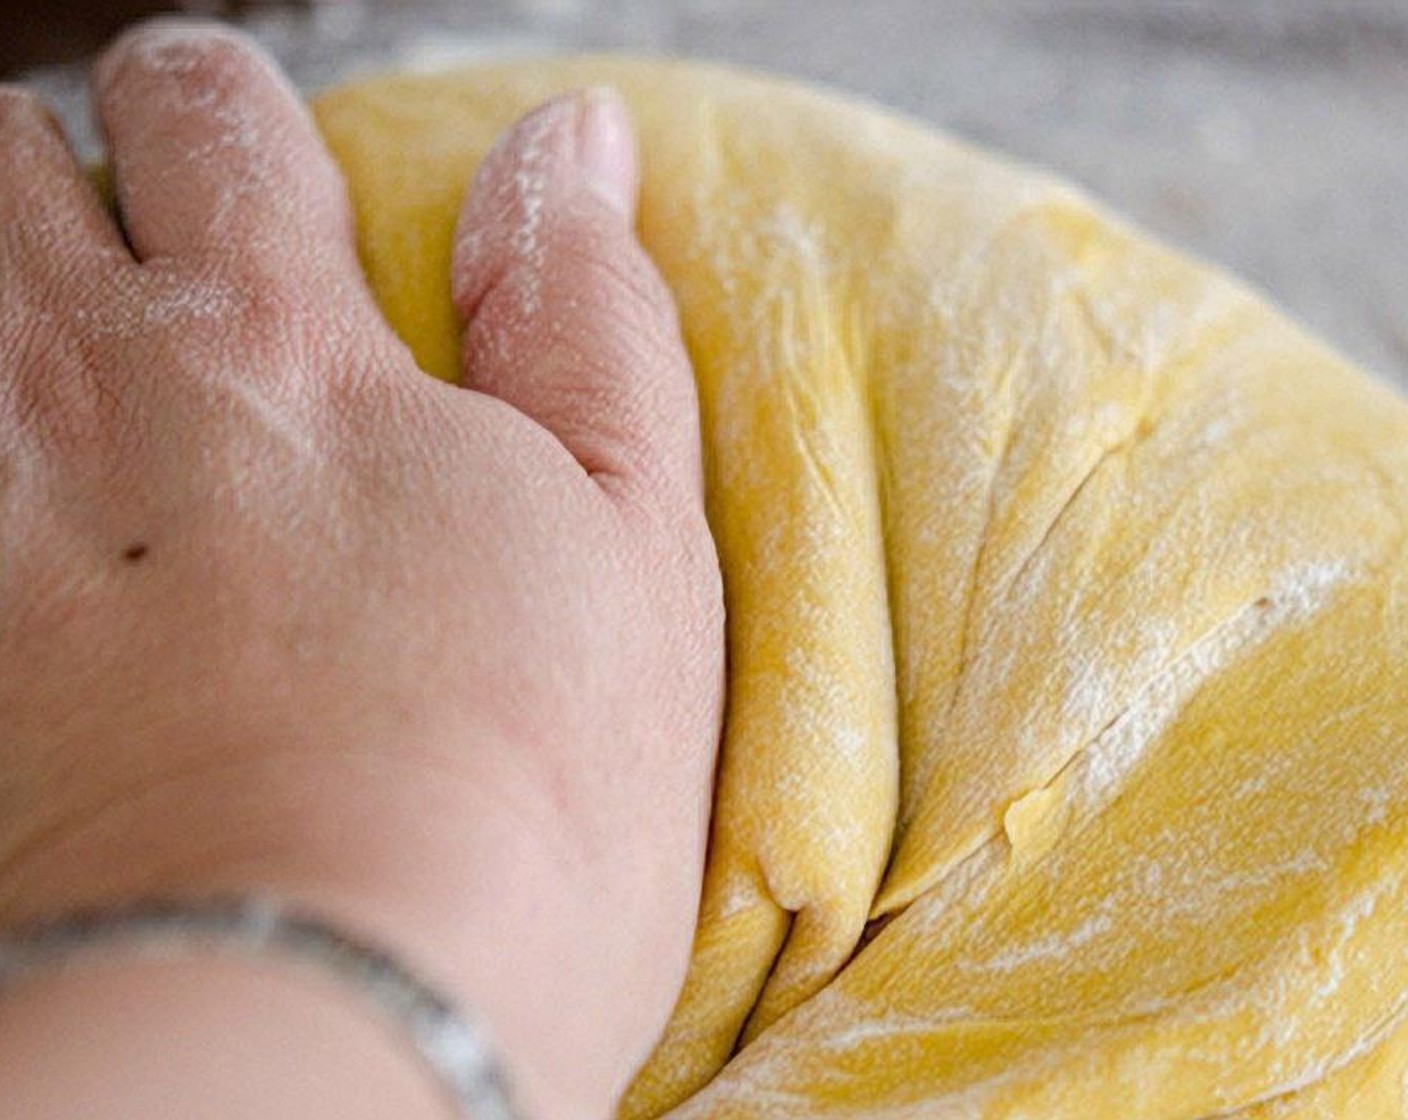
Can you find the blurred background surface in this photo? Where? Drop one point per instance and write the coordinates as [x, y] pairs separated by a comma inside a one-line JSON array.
[[1270, 136]]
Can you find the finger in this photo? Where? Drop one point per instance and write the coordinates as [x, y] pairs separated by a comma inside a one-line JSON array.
[[53, 228], [215, 156], [565, 316]]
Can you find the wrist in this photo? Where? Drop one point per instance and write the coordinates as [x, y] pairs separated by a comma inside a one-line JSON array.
[[223, 1037], [457, 882]]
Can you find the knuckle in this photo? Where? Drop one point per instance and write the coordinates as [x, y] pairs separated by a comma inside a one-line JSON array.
[[632, 293], [44, 393], [608, 252], [621, 289]]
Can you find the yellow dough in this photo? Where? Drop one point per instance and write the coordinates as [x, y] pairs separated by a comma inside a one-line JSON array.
[[1066, 766]]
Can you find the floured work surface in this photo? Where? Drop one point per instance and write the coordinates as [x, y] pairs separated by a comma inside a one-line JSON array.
[[1068, 597]]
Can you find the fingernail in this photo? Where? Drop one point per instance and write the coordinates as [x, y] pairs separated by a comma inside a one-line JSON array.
[[606, 148], [163, 44]]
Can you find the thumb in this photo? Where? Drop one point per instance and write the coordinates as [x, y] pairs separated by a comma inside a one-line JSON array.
[[565, 316]]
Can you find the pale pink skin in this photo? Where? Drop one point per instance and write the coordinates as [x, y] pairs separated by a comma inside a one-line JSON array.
[[279, 610]]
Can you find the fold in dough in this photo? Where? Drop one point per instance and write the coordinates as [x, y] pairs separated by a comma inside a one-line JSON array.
[[1068, 624]]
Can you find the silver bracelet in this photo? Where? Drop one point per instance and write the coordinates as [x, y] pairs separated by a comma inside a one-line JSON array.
[[452, 1044]]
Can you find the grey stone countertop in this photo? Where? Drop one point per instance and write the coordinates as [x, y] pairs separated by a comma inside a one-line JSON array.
[[1269, 137]]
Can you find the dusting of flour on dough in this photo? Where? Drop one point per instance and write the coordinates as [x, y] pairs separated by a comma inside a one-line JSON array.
[[1295, 597]]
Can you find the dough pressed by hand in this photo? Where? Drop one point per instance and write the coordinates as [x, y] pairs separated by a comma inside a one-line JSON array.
[[1066, 767]]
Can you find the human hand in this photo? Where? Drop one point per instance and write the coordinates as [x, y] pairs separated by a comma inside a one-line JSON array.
[[279, 611]]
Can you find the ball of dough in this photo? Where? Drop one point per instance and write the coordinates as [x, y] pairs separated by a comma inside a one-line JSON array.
[[1066, 765]]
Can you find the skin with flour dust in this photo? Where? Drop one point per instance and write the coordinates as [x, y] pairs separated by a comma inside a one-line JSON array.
[[443, 662]]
